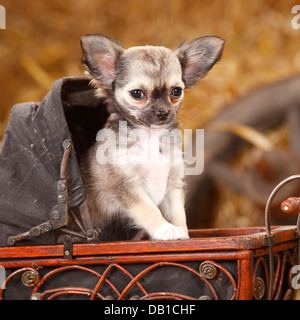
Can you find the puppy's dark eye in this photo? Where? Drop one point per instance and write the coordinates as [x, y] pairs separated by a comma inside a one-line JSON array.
[[176, 92], [137, 94]]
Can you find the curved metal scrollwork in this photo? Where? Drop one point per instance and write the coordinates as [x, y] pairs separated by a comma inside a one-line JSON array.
[[207, 270], [206, 274], [261, 282], [30, 278]]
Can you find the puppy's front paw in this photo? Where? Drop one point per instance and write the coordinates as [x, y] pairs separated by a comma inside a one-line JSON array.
[[168, 231]]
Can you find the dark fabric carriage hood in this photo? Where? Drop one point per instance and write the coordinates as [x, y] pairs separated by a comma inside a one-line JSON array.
[[31, 154]]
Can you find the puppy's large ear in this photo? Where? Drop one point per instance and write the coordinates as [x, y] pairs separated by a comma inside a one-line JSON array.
[[198, 57], [100, 55]]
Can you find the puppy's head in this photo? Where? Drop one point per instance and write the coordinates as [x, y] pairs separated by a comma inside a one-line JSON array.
[[147, 83]]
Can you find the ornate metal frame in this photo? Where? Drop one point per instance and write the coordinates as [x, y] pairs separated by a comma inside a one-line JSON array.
[[212, 264]]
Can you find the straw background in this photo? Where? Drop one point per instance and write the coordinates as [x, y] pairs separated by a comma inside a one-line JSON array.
[[41, 44]]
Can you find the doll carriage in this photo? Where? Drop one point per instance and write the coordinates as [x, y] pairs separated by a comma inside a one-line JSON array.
[[42, 258]]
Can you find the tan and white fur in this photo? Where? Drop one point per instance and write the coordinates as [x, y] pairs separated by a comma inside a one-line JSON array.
[[142, 87]]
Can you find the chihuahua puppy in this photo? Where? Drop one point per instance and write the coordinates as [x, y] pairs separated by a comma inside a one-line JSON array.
[[143, 88]]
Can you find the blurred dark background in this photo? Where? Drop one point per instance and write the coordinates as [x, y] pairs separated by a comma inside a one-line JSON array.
[[41, 44]]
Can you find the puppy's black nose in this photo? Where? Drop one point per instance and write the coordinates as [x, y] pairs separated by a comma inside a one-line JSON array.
[[162, 114]]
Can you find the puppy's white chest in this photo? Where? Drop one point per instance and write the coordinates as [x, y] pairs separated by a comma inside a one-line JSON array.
[[155, 180], [152, 162], [153, 166]]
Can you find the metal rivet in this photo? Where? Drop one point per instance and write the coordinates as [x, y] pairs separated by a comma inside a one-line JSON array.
[[45, 227], [54, 215], [61, 185], [90, 233], [35, 231], [61, 198], [36, 296], [204, 298], [67, 144], [67, 246]]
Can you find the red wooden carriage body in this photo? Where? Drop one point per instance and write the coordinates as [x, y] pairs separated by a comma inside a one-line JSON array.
[[212, 264]]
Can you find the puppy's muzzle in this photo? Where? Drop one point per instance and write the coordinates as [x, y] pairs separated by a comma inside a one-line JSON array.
[[162, 114]]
